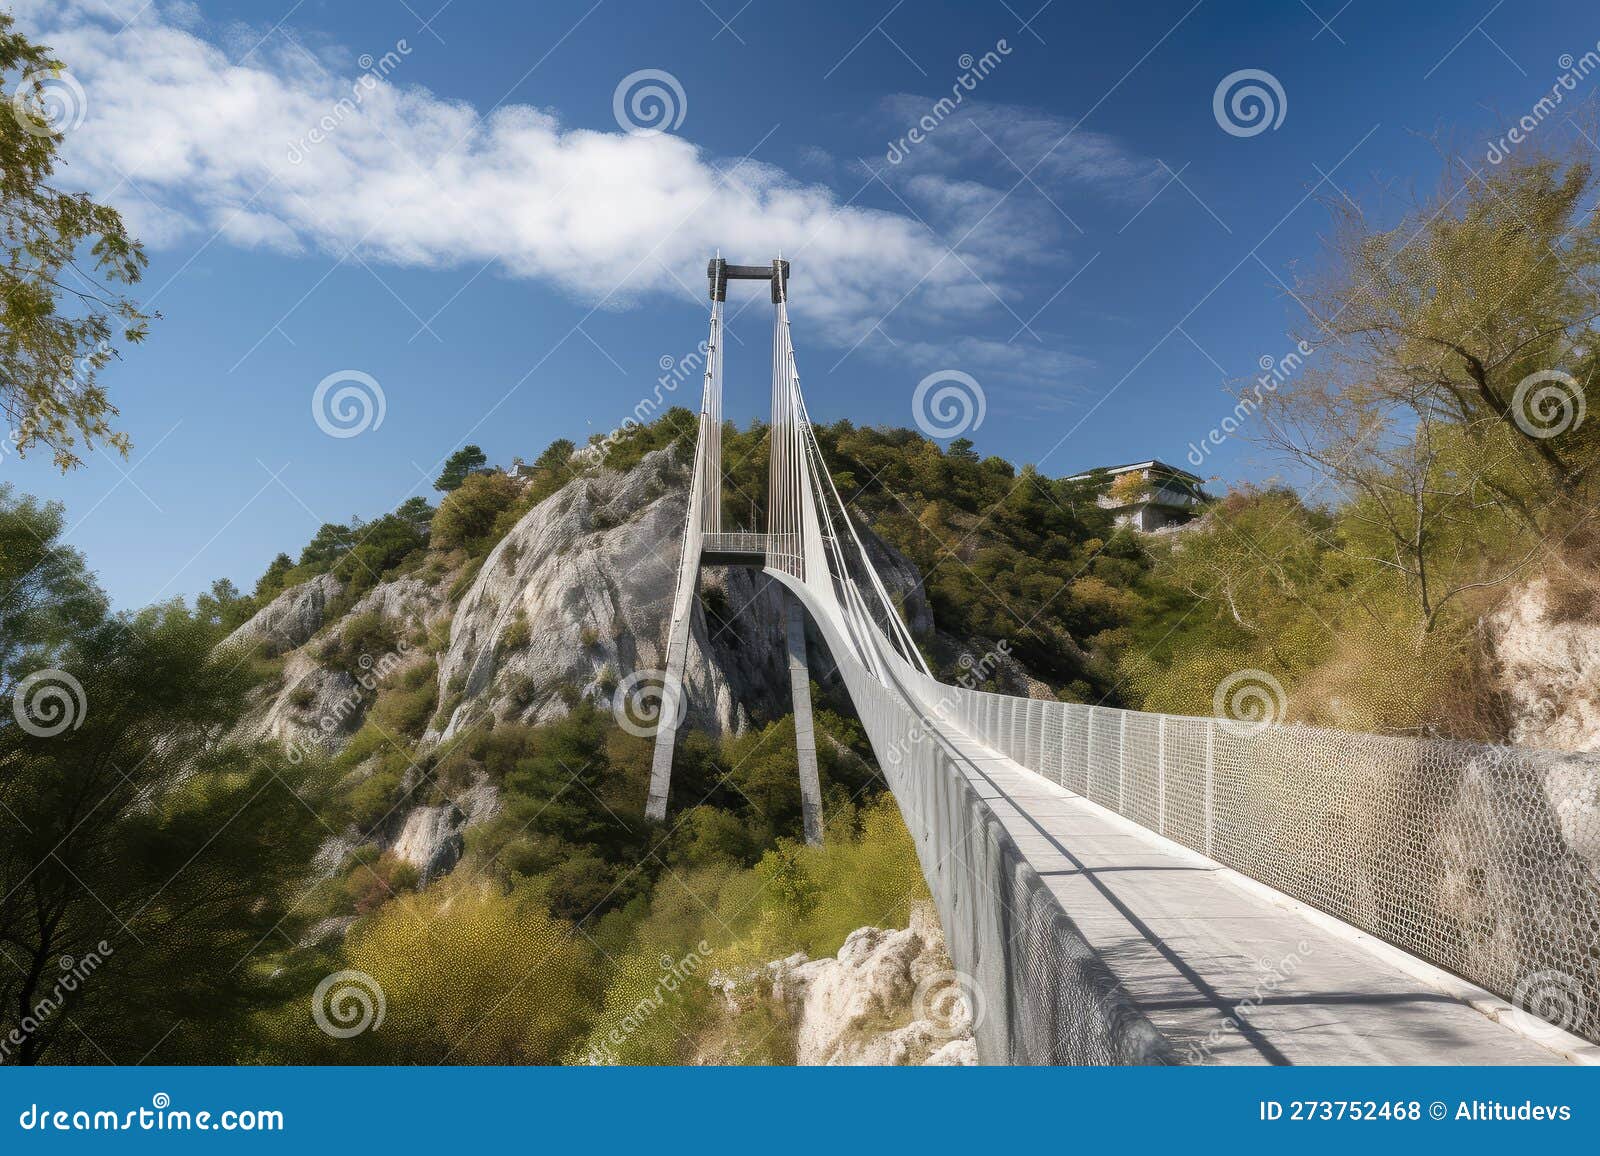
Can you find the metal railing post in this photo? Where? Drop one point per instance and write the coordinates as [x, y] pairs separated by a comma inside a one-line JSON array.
[[1211, 739], [1122, 763], [1161, 773]]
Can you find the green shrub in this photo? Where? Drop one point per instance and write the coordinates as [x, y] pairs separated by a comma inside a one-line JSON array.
[[466, 518], [517, 634]]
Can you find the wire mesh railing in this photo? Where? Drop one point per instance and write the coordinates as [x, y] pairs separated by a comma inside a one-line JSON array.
[[1484, 860]]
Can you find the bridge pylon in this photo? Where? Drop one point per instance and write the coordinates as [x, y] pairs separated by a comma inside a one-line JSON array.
[[705, 543]]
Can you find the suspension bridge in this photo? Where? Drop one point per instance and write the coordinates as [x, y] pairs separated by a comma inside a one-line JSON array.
[[1123, 887]]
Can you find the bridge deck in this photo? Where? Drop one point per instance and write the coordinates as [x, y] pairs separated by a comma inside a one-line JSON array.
[[1190, 946]]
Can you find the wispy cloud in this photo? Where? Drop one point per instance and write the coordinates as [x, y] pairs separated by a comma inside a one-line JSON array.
[[998, 143]]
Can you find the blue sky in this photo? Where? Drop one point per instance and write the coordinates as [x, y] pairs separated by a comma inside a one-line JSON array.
[[481, 237]]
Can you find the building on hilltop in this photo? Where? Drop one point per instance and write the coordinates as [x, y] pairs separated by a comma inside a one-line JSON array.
[[1148, 496]]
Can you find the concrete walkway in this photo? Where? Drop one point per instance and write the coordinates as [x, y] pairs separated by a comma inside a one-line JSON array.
[[1192, 947]]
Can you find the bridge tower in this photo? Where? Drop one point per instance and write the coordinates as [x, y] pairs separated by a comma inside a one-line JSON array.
[[705, 543]]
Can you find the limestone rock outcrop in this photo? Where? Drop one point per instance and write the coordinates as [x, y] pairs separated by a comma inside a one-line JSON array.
[[577, 598], [887, 998], [1549, 667]]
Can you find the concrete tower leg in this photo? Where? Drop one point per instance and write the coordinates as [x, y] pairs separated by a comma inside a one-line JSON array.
[[673, 703], [805, 737]]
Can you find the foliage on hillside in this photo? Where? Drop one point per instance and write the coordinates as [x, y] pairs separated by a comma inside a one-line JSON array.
[[1443, 417]]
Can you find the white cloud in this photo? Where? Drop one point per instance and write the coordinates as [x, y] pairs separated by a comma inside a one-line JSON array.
[[245, 135], [279, 152]]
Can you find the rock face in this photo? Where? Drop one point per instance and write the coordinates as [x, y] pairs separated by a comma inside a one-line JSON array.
[[570, 603], [1549, 670], [290, 619], [887, 998], [432, 839], [577, 598], [314, 706]]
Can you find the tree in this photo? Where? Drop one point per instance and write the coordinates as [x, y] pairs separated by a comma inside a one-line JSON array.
[[273, 580], [556, 455], [144, 858], [417, 512], [467, 517], [1444, 392], [46, 594], [64, 255], [472, 975], [224, 606], [458, 466]]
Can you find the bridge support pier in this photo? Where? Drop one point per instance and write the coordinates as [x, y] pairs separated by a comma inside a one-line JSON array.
[[805, 737], [672, 691]]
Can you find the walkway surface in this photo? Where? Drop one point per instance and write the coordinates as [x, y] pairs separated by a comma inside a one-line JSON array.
[[1190, 945]]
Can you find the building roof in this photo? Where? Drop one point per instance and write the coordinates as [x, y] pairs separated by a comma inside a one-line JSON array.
[[1154, 464]]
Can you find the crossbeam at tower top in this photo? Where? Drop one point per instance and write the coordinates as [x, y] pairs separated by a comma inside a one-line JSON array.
[[719, 273]]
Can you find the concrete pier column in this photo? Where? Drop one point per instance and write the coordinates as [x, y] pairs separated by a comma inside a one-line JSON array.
[[672, 704], [805, 736]]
